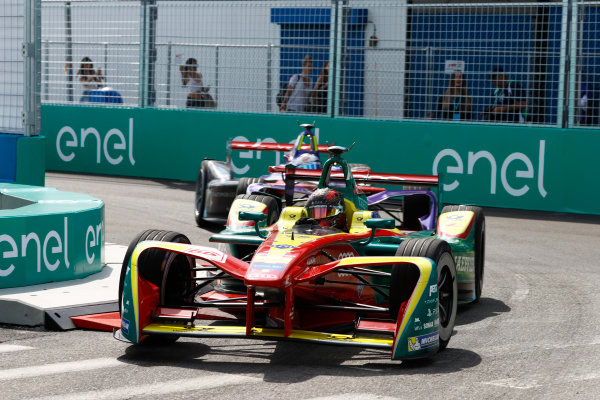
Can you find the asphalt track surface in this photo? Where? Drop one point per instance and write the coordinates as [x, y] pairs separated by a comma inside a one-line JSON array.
[[533, 335]]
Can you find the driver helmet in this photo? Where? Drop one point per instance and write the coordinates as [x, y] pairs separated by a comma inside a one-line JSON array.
[[307, 161], [326, 206]]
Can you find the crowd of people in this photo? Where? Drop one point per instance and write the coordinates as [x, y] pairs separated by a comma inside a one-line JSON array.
[[299, 95], [508, 101]]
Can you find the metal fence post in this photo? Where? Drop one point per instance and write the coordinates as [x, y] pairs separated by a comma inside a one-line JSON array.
[[32, 60], [46, 68], [269, 78], [169, 66], [563, 68], [69, 50], [147, 92], [337, 24], [573, 64], [574, 84], [217, 74]]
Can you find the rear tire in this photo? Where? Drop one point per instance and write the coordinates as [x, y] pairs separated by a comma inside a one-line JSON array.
[[244, 183], [479, 243], [440, 252], [273, 208], [200, 199]]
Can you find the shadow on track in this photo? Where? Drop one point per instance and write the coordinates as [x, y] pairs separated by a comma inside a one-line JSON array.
[[485, 308], [293, 362]]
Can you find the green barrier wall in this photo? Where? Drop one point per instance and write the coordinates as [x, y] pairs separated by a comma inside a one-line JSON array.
[[499, 166], [31, 161], [47, 235]]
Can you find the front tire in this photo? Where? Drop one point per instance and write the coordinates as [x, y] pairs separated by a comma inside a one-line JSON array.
[[172, 273], [440, 252]]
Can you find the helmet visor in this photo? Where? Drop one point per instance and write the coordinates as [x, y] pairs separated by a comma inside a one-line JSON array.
[[322, 211]]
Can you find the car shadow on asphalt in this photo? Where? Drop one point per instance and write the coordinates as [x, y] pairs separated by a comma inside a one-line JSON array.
[[293, 362], [486, 307]]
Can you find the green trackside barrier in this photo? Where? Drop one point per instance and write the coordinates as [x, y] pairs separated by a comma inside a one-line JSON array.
[[47, 235], [31, 161], [536, 168], [22, 159]]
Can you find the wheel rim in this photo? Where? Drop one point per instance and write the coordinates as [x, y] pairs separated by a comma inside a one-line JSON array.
[[446, 296]]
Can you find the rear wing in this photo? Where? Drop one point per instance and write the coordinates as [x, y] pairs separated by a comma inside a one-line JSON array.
[[262, 146], [363, 177]]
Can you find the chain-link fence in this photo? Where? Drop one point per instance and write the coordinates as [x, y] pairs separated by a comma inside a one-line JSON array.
[[533, 63], [19, 104]]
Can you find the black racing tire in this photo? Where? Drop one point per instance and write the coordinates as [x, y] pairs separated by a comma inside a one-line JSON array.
[[200, 198], [440, 252], [414, 207], [245, 182], [273, 208], [151, 268], [479, 243]]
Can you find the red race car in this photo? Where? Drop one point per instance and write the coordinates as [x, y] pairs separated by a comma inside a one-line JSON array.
[[328, 271]]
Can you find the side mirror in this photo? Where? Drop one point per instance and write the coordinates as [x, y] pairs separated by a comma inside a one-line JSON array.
[[377, 223], [253, 216], [380, 223]]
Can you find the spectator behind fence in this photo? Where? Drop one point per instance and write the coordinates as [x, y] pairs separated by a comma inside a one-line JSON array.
[[587, 112], [456, 103], [90, 78], [192, 79], [318, 97], [299, 88], [508, 103]]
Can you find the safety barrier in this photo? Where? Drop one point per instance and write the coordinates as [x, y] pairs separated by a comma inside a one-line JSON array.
[[47, 235], [536, 168]]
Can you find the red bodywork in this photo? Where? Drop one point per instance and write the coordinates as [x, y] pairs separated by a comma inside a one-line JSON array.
[[304, 274]]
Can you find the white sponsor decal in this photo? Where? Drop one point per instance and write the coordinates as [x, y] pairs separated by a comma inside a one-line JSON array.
[[210, 254], [261, 275], [465, 264], [432, 289], [527, 173], [112, 150]]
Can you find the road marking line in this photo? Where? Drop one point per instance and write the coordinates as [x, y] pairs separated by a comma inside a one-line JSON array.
[[533, 383], [513, 383], [154, 389], [522, 289], [58, 368], [362, 396], [7, 348]]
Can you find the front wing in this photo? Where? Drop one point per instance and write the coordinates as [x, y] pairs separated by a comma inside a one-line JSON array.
[[413, 335]]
